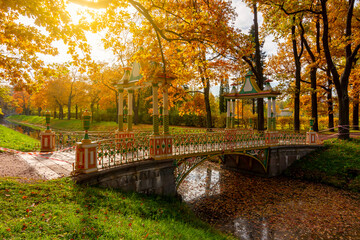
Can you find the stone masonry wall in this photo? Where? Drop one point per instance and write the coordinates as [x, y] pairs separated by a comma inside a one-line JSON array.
[[150, 177]]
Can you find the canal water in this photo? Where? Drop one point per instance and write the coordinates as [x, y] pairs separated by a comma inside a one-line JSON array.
[[34, 133], [252, 207]]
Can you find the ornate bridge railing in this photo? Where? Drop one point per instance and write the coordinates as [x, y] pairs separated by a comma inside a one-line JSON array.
[[188, 144], [65, 139], [112, 152]]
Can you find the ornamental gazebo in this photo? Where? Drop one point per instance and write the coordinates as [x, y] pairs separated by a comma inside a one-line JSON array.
[[160, 144], [251, 90]]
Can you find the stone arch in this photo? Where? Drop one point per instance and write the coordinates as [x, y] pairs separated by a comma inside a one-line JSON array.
[[186, 165]]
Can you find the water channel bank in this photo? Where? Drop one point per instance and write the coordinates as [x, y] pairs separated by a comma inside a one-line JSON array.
[[252, 207], [27, 130]]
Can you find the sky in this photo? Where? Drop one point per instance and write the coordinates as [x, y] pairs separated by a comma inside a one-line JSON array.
[[243, 21]]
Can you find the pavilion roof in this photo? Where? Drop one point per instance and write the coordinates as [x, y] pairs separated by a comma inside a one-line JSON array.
[[250, 89]]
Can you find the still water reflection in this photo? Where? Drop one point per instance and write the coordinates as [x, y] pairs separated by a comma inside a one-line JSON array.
[[252, 207], [34, 133]]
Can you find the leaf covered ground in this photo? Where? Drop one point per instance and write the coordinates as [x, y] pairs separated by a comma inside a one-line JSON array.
[[272, 208]]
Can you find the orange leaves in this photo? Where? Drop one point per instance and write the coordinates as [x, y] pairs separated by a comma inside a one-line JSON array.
[[251, 205], [28, 30]]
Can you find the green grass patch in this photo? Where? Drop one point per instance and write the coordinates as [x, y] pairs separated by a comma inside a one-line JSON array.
[[14, 140], [32, 120], [61, 209], [337, 164], [76, 124]]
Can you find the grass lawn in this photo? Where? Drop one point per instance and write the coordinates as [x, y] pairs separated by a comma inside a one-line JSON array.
[[338, 165], [60, 209], [76, 124], [14, 140]]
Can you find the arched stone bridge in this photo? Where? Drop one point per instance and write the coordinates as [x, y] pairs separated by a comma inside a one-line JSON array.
[[135, 163]]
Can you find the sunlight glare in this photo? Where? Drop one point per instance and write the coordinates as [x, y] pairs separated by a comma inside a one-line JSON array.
[[78, 12]]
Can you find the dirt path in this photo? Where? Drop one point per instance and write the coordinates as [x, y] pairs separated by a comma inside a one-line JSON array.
[[13, 166]]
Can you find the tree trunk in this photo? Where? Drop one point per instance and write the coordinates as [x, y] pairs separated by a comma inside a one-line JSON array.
[[297, 82], [344, 132], [76, 111], [55, 112], [61, 112], [222, 106], [259, 70], [92, 111], [207, 104], [253, 105], [97, 112], [314, 105], [356, 112], [341, 82], [69, 108], [313, 70], [330, 102], [39, 111]]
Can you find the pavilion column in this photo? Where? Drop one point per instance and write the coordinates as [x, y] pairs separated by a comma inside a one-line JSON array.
[[166, 110], [130, 109], [269, 115], [233, 114], [274, 114], [228, 114], [155, 87], [121, 109]]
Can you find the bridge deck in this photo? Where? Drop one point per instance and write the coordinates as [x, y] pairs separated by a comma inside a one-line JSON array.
[[113, 152]]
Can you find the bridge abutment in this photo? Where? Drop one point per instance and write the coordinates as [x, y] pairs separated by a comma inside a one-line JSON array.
[[150, 177], [279, 158]]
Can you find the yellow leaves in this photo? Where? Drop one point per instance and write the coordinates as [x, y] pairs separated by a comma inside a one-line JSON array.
[[28, 29]]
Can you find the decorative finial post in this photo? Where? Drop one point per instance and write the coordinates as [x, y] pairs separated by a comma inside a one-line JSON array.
[[47, 118], [48, 136], [86, 151], [311, 136], [86, 125], [311, 124]]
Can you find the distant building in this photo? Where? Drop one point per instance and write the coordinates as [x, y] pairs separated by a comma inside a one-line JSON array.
[[285, 113]]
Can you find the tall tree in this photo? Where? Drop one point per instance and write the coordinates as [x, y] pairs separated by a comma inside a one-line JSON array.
[[313, 68], [222, 103], [23, 43], [259, 69], [351, 48]]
